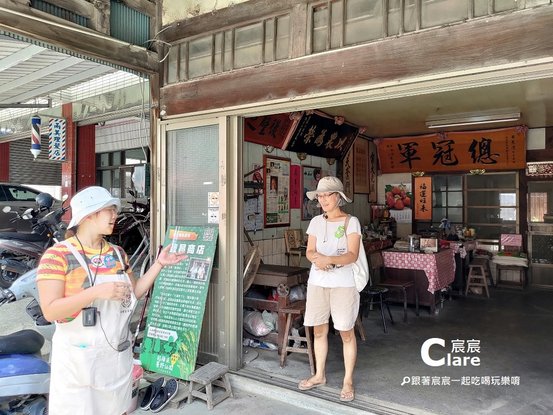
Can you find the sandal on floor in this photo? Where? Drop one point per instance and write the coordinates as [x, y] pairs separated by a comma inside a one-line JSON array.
[[151, 392], [347, 396], [164, 396], [305, 385]]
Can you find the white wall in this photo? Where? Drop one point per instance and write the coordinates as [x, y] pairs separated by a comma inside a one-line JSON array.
[[174, 10]]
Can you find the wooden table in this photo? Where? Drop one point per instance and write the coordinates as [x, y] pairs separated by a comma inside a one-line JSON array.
[[433, 272], [283, 278]]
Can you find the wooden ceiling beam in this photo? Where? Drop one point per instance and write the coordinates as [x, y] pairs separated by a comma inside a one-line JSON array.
[[42, 26]]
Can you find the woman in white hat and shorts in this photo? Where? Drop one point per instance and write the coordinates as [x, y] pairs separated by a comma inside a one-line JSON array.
[[331, 291], [84, 287]]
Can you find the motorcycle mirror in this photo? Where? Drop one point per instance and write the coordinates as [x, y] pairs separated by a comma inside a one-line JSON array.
[[6, 209], [64, 197], [28, 214]]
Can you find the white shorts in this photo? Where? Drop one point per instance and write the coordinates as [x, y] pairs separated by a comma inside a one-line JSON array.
[[342, 303]]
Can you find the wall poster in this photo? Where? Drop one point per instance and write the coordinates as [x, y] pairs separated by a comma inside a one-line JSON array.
[[176, 310], [310, 177], [277, 191], [399, 201]]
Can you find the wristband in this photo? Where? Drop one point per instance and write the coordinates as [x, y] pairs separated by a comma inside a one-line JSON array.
[[160, 264]]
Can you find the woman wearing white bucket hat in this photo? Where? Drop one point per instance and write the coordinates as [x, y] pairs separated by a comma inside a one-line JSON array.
[[331, 291], [84, 287]]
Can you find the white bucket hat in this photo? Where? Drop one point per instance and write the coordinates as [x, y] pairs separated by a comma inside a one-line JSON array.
[[329, 184], [89, 201]]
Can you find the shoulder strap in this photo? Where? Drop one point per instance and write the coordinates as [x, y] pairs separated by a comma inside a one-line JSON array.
[[116, 249], [346, 223], [78, 256]]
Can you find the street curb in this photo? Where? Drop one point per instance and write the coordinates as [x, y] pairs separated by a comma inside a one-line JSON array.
[[323, 399], [285, 395]]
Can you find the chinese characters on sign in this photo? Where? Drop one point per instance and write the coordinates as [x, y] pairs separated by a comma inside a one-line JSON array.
[[501, 149], [318, 134], [56, 144], [373, 172], [361, 165], [423, 198], [269, 130], [347, 173], [177, 306]]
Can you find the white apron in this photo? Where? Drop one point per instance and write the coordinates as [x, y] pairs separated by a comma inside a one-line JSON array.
[[89, 377]]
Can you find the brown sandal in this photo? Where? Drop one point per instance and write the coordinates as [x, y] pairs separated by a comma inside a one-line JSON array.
[[305, 385]]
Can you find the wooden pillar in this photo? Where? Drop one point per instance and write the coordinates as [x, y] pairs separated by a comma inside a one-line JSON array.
[[4, 162], [68, 167], [86, 156]]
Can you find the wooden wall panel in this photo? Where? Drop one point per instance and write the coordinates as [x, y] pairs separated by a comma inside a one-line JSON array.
[[513, 37]]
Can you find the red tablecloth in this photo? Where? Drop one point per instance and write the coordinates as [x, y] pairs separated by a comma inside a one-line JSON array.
[[439, 267]]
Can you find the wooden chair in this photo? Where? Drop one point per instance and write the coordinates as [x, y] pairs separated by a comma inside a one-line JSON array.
[[294, 249]]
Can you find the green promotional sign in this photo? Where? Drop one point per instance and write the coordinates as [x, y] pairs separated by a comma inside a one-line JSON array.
[[177, 304]]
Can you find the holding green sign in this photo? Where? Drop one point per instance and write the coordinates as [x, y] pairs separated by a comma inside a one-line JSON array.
[[177, 306]]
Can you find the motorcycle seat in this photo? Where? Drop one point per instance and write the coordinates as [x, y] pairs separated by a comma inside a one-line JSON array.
[[21, 342], [24, 236]]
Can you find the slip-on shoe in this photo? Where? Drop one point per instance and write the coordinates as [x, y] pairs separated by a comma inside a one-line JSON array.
[[151, 392], [165, 394]]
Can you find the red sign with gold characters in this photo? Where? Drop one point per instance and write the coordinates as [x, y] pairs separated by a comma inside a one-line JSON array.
[[422, 193], [500, 149]]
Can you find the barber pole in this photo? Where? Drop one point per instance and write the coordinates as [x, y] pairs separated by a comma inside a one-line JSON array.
[[35, 136]]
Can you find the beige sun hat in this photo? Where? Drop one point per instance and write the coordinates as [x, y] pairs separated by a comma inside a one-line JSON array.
[[91, 200], [329, 184]]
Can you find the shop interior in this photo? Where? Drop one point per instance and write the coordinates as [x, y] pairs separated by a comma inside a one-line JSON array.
[[508, 318]]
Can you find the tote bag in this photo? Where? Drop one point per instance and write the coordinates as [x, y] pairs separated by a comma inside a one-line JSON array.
[[361, 266]]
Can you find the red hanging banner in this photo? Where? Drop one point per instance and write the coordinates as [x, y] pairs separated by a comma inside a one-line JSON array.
[[422, 193], [501, 149]]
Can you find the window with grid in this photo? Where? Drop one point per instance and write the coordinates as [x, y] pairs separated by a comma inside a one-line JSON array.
[[491, 204], [540, 200], [238, 47], [447, 199]]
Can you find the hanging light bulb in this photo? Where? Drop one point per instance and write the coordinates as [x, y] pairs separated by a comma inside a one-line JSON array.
[[35, 136]]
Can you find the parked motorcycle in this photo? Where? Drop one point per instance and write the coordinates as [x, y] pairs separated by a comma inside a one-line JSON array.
[[24, 374], [20, 251]]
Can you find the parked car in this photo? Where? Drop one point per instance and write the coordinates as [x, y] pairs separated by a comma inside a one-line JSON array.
[[19, 198]]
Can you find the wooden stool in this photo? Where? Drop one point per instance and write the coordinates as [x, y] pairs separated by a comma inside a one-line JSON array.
[[373, 294], [211, 374], [296, 309], [477, 278]]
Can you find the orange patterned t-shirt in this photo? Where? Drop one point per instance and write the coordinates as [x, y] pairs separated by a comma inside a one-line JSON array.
[[58, 263]]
